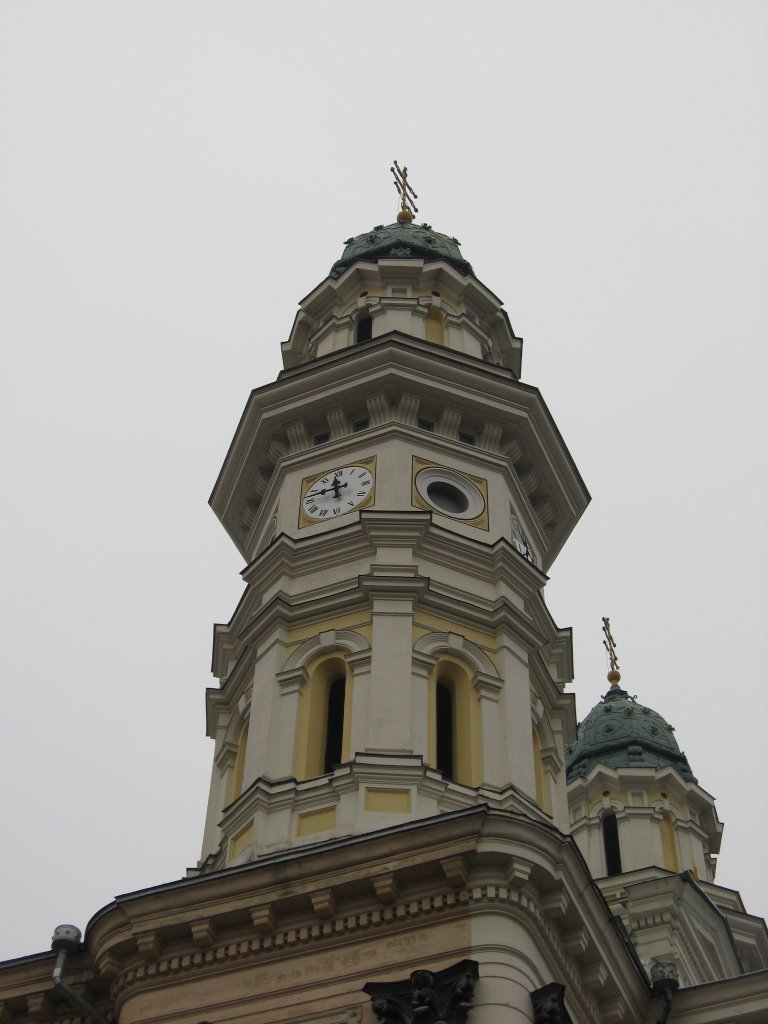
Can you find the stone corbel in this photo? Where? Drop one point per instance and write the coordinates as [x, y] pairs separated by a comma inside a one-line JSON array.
[[518, 871], [448, 424], [263, 918], [490, 437], [408, 409], [554, 904], [338, 423], [148, 945], [39, 1005], [455, 871], [613, 1010], [575, 941], [385, 887], [298, 438], [378, 409], [203, 933], [323, 902], [107, 966], [595, 976]]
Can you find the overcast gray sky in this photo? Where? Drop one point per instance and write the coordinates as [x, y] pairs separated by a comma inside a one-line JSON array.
[[175, 176]]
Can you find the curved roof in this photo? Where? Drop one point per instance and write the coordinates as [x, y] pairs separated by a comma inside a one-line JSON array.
[[620, 733], [402, 240]]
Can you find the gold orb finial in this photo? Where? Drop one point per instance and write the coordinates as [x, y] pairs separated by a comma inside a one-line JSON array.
[[609, 644], [407, 206]]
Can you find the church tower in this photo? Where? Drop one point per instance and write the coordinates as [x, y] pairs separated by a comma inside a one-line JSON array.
[[398, 495], [405, 824]]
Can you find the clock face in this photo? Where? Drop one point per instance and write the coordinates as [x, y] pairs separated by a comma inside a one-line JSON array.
[[338, 492], [520, 541]]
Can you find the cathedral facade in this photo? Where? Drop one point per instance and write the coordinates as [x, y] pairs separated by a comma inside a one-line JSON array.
[[405, 822]]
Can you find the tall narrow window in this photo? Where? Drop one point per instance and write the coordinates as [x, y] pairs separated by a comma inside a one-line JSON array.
[[611, 844], [334, 731], [668, 844], [364, 329], [444, 723], [237, 776]]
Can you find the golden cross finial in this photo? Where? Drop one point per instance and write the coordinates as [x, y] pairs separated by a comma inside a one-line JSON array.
[[610, 645], [407, 206]]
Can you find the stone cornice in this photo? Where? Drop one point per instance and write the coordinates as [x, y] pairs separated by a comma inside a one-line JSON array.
[[477, 861], [400, 363]]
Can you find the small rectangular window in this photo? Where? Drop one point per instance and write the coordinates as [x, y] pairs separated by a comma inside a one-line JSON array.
[[321, 438], [425, 424], [467, 438], [359, 425]]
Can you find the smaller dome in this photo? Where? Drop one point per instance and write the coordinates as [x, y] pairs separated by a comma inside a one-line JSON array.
[[401, 241], [620, 733]]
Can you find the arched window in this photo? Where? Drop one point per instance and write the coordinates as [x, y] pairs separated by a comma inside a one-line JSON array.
[[454, 745], [324, 717], [334, 727], [538, 772], [444, 727], [237, 774], [364, 329], [611, 844], [668, 843]]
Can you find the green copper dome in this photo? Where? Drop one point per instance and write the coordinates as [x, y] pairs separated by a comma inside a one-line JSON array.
[[401, 241], [620, 733]]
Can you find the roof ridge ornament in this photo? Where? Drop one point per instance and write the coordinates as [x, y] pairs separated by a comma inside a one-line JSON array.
[[407, 206], [614, 676]]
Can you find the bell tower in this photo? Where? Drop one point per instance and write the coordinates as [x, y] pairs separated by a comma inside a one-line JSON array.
[[398, 495]]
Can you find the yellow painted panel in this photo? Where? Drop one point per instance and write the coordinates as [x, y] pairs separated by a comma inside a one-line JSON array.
[[241, 840], [434, 326], [316, 821], [388, 801]]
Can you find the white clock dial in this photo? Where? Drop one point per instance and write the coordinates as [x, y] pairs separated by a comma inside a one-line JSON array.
[[338, 492]]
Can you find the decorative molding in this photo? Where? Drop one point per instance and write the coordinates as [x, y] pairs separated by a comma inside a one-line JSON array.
[[442, 997], [516, 899], [328, 640]]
